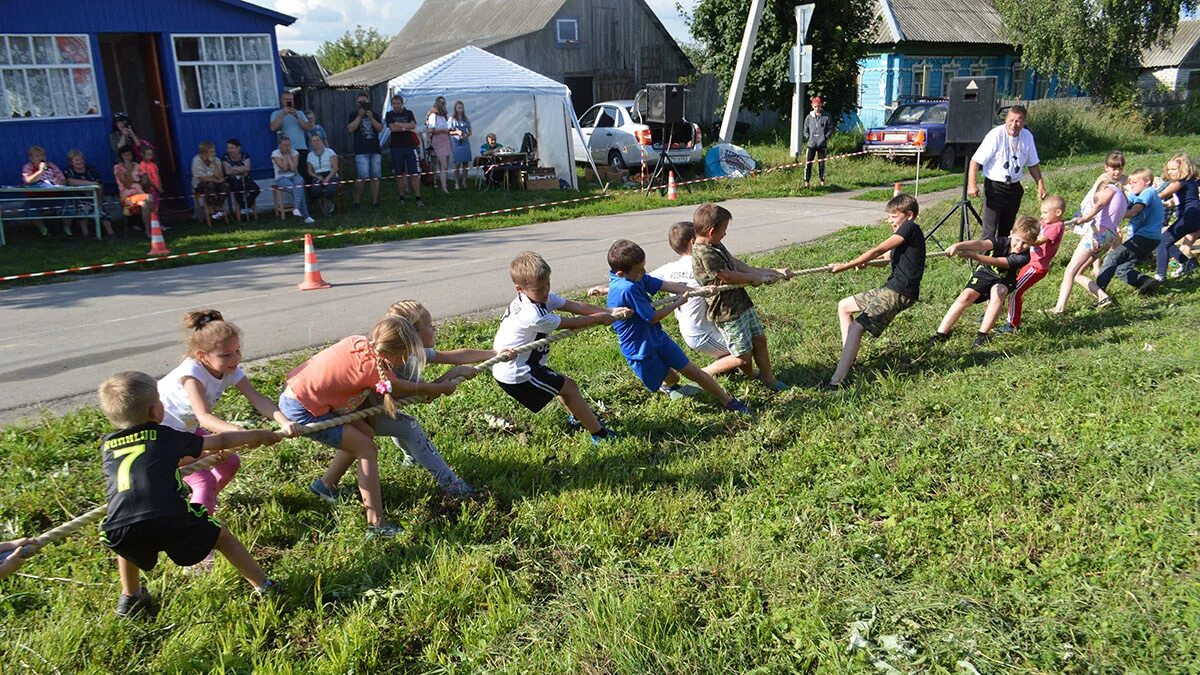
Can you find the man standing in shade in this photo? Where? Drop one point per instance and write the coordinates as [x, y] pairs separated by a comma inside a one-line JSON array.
[[1005, 153]]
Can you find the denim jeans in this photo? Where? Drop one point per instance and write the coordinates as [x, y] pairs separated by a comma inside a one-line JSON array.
[[1124, 261], [1168, 249], [295, 184]]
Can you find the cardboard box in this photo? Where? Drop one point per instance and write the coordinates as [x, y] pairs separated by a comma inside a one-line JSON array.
[[541, 184]]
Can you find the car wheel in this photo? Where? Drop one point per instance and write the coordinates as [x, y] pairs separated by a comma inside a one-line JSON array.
[[947, 160], [616, 161]]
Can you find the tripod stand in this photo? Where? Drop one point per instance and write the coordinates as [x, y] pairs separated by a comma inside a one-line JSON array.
[[965, 209], [664, 161]]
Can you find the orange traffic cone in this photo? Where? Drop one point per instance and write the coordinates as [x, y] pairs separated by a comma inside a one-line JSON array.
[[672, 192], [312, 271], [896, 190], [158, 245]]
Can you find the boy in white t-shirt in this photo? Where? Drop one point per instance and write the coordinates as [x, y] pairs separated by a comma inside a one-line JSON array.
[[531, 317], [697, 331]]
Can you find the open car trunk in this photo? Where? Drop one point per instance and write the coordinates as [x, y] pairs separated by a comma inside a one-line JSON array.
[[681, 135]]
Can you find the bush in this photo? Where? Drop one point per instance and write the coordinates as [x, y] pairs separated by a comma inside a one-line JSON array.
[[1070, 127], [1173, 120]]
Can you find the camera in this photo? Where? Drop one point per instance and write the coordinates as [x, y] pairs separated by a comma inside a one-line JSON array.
[[365, 105]]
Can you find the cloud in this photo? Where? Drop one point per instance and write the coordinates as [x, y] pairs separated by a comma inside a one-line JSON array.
[[321, 20]]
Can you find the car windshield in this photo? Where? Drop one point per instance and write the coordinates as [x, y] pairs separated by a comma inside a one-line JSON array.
[[920, 114]]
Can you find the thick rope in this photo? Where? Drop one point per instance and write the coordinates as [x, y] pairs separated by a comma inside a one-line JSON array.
[[97, 514]]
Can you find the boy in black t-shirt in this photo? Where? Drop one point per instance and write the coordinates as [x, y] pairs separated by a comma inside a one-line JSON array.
[[877, 308], [992, 279], [148, 509]]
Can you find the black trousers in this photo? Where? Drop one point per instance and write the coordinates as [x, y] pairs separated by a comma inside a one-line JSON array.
[[1123, 262], [1001, 201], [809, 155]]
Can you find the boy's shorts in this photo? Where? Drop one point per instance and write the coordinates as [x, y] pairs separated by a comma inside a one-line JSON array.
[[404, 161], [711, 344], [369, 166], [983, 285], [879, 307], [296, 412], [535, 393], [1097, 241], [653, 369], [739, 333], [186, 539]]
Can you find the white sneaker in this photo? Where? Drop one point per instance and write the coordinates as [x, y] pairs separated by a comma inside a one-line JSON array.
[[296, 212], [309, 221], [245, 212], [1159, 278], [218, 215]]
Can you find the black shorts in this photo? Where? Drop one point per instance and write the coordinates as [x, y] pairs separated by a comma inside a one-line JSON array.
[[185, 539], [542, 387], [983, 283]]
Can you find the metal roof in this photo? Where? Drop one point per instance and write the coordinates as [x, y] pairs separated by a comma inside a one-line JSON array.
[[945, 21], [277, 17], [440, 27], [300, 70], [1177, 48]]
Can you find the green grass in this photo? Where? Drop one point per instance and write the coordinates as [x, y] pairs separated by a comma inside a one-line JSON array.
[[1028, 507], [28, 252]]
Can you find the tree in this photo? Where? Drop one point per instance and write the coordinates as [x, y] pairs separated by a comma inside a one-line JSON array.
[[1093, 44], [839, 33], [353, 48]]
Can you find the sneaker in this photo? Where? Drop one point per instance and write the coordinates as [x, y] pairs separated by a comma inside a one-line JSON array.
[[245, 211], [605, 435], [1006, 329], [673, 392], [407, 462], [829, 386], [981, 339], [1148, 286], [218, 215], [1188, 267], [420, 202], [806, 186], [937, 339], [737, 407], [268, 589], [375, 205], [778, 386], [296, 212], [383, 531], [67, 232], [329, 208], [1160, 278], [460, 489], [309, 220], [139, 603], [1105, 303], [320, 489], [573, 423], [402, 200], [354, 206]]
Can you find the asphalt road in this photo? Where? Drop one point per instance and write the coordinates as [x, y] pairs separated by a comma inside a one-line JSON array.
[[58, 341]]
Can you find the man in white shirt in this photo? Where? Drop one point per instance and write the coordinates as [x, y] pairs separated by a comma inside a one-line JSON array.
[[1005, 154]]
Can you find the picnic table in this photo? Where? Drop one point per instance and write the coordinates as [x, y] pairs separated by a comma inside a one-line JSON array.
[[50, 203]]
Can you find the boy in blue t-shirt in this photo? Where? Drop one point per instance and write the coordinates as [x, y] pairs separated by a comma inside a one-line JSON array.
[[653, 355], [1145, 214]]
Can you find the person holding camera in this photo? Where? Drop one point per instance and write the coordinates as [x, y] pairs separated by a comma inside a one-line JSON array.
[[368, 157], [295, 125], [123, 135]]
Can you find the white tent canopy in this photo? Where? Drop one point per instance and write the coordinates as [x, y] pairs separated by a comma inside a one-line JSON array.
[[500, 97]]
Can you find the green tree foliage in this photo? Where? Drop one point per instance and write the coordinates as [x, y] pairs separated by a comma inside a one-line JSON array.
[[1094, 44], [353, 48], [839, 33]]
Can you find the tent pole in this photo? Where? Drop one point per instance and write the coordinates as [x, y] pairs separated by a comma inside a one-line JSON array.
[[570, 109]]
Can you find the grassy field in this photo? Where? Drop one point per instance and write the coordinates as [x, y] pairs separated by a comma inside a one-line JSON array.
[[1026, 507]]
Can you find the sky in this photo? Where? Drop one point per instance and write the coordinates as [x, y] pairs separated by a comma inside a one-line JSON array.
[[321, 20]]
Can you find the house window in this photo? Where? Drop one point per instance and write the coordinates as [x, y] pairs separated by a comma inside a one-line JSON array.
[[225, 72], [1018, 80], [1043, 86], [566, 32], [949, 72], [978, 69], [47, 76], [918, 80], [1193, 81]]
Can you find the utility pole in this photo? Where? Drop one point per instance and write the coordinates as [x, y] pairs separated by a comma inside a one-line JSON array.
[[734, 103]]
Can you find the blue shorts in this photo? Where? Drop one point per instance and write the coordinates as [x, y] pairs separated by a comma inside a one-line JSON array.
[[297, 413], [404, 161], [653, 369], [369, 166]]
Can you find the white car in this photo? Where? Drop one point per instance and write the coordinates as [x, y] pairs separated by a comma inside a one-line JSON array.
[[616, 136]]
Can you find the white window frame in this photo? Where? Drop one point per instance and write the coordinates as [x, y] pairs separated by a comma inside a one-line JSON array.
[[272, 93], [1019, 69], [951, 68], [558, 31], [921, 68], [978, 69], [5, 108]]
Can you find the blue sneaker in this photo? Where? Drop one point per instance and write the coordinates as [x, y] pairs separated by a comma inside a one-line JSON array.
[[320, 489], [573, 423], [737, 407], [778, 386], [1006, 329], [608, 437], [383, 531]]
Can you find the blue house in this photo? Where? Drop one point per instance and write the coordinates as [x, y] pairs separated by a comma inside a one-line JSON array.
[[183, 70], [921, 44]]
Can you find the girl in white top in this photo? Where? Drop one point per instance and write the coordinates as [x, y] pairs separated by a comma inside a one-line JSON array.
[[286, 163], [437, 125], [189, 392]]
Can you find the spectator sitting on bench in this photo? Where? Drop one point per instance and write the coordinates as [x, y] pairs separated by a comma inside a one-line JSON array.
[[79, 172], [208, 182], [38, 173], [490, 147]]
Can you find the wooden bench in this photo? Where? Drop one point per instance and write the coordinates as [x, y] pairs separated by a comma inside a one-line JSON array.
[[46, 203]]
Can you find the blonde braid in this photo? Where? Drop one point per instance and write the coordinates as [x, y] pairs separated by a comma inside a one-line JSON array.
[[389, 403]]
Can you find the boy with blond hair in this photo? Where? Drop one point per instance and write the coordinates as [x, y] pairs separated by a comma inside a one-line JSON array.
[[992, 279], [148, 509], [732, 310], [531, 316], [877, 308], [1041, 255], [651, 353]]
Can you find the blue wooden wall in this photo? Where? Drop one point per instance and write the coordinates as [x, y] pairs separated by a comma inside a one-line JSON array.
[[160, 17]]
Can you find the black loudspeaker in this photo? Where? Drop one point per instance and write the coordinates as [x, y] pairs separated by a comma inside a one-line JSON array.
[[664, 103], [972, 109]]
